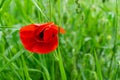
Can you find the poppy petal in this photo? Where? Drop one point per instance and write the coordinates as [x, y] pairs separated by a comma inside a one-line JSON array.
[[45, 24], [27, 36], [27, 31], [46, 47], [49, 33]]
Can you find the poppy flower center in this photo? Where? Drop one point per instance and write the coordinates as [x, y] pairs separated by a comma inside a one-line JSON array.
[[45, 35], [41, 35]]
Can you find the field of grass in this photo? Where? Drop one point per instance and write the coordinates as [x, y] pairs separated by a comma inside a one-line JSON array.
[[89, 50]]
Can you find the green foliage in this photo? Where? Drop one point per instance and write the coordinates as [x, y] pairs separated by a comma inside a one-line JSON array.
[[89, 50]]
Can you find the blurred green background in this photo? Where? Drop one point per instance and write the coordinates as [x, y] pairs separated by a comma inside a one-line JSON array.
[[88, 51]]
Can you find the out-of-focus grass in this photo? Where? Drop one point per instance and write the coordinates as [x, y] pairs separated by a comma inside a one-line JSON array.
[[88, 51]]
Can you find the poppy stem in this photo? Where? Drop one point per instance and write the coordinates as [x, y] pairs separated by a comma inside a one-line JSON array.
[[62, 70]]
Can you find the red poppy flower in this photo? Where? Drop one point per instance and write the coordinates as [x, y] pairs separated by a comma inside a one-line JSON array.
[[40, 38]]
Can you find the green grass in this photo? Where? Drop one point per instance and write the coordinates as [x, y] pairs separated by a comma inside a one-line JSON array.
[[89, 50]]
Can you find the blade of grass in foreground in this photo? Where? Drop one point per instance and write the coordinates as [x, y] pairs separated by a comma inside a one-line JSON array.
[[2, 2], [36, 4], [26, 73], [99, 74], [46, 73], [62, 70], [17, 55], [13, 67], [4, 5], [21, 10], [114, 38]]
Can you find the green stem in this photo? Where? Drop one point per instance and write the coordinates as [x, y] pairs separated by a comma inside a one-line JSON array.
[[98, 66], [62, 70], [50, 8], [63, 74], [115, 25]]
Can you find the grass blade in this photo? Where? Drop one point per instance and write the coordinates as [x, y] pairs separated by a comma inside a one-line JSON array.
[[99, 73]]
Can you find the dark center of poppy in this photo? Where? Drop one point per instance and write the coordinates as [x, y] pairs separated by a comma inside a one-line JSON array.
[[46, 35], [41, 35]]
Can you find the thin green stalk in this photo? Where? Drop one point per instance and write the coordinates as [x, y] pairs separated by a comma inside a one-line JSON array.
[[115, 25], [50, 8], [116, 74], [2, 3], [35, 3], [46, 73], [62, 70], [20, 7], [17, 55], [25, 69], [13, 67], [99, 73]]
